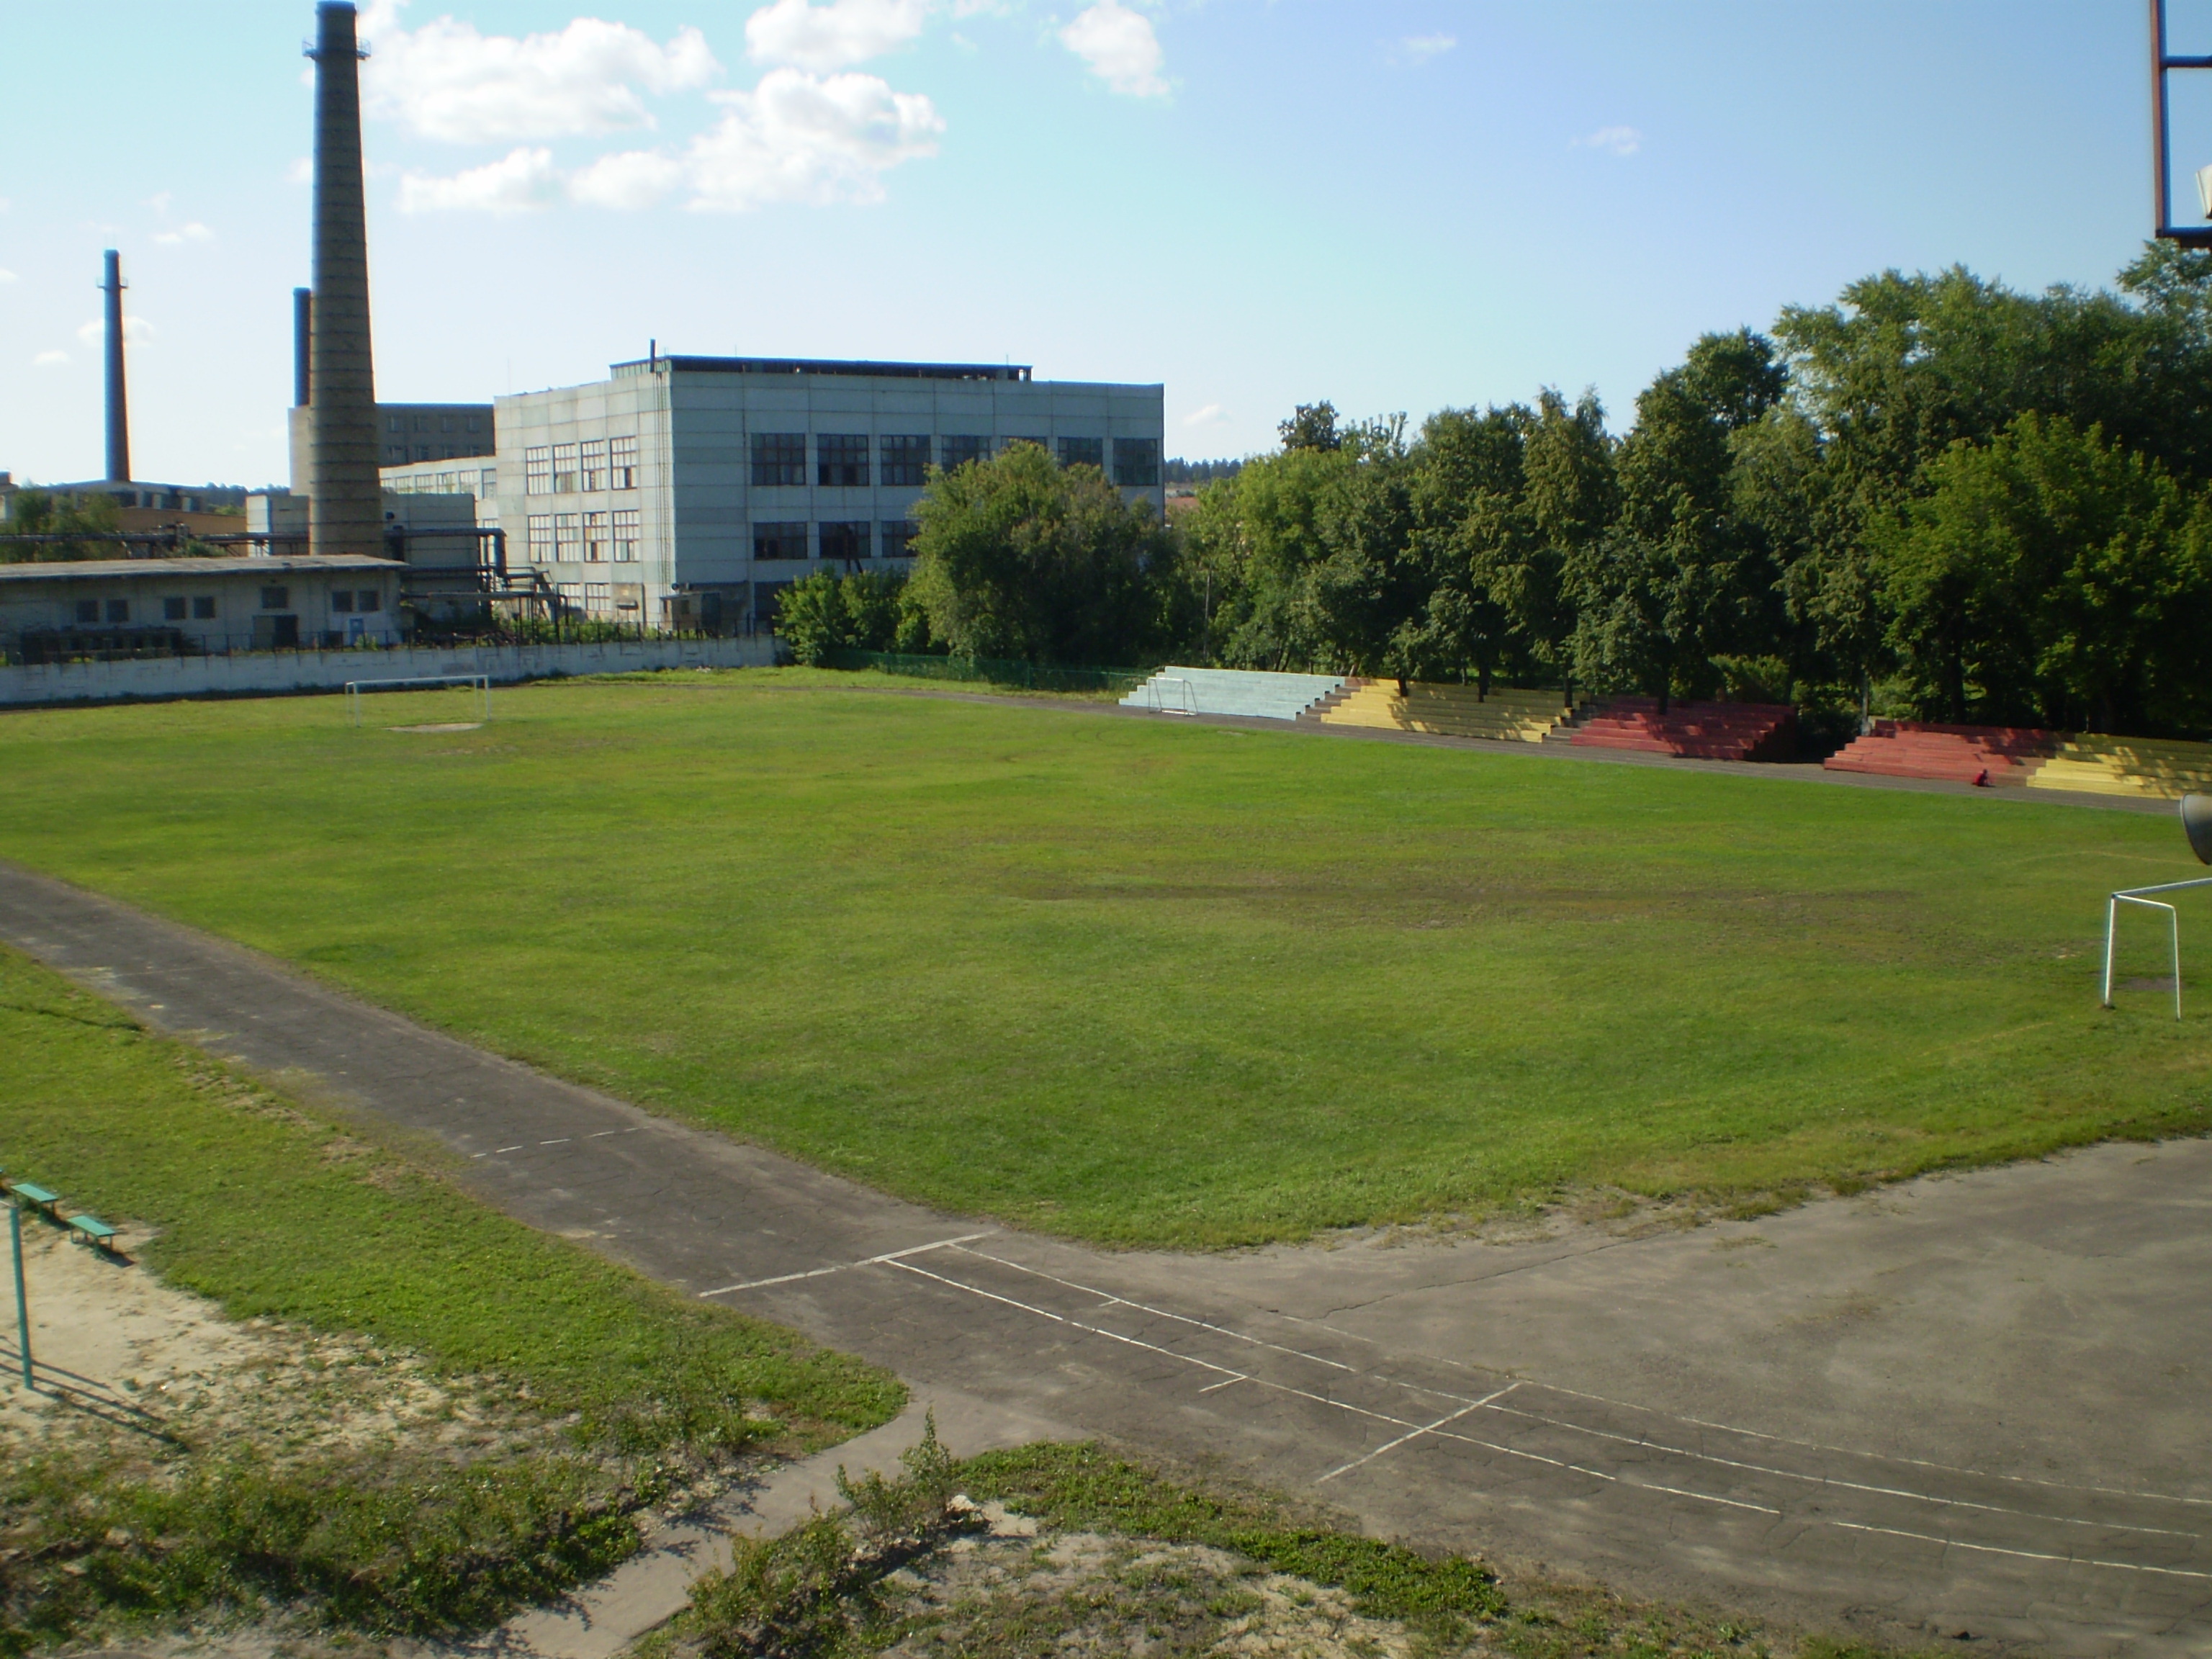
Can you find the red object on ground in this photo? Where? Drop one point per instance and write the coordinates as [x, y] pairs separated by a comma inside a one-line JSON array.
[[1701, 730], [1984, 755]]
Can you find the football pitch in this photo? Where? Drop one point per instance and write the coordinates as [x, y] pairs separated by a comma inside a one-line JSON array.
[[1148, 982]]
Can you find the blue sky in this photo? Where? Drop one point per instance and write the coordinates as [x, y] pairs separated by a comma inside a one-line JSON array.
[[1395, 205]]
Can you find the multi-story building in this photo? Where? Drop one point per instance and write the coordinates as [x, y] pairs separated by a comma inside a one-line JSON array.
[[692, 489]]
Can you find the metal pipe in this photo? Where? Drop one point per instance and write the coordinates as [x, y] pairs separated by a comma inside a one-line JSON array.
[[303, 345], [22, 1303], [118, 417]]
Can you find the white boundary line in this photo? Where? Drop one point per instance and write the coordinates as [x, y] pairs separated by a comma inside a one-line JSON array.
[[1392, 1445], [868, 1262]]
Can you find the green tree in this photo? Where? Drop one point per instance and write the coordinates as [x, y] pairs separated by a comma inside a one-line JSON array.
[[92, 524], [1016, 557], [1313, 426]]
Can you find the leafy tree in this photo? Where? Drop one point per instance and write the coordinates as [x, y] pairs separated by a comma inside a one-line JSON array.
[[1312, 427], [826, 612], [1016, 557], [92, 522]]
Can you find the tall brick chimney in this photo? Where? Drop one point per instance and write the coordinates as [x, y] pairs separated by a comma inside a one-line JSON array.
[[346, 512]]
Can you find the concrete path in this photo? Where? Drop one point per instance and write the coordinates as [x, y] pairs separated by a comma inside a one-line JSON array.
[[1968, 1405]]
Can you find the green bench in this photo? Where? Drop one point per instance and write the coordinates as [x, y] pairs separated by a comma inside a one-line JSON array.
[[91, 1229], [37, 1197]]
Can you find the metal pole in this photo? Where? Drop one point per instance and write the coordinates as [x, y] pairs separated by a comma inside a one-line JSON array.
[[2112, 926], [22, 1303], [2162, 171]]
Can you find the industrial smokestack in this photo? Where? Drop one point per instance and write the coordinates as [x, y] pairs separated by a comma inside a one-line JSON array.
[[303, 336], [118, 412], [346, 512]]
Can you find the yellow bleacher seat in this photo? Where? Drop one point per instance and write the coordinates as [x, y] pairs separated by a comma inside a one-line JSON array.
[[1507, 715], [2159, 769]]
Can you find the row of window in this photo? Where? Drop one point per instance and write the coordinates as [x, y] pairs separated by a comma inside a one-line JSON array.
[[580, 468], [584, 537], [836, 539], [841, 459], [483, 484], [201, 607], [397, 455], [443, 422]]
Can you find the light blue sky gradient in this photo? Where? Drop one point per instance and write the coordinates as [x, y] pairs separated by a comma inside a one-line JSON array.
[[1313, 209]]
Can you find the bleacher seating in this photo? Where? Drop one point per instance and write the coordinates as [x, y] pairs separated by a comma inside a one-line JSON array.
[[1697, 730], [2153, 768], [1249, 692], [1961, 754], [1507, 715]]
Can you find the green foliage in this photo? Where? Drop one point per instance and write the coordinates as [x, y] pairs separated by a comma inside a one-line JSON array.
[[1016, 557], [1087, 1488], [826, 613], [91, 523]]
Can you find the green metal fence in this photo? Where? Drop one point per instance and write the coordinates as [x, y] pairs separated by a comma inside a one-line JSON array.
[[990, 670]]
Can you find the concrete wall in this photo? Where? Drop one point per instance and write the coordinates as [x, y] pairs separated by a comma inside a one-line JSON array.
[[165, 678]]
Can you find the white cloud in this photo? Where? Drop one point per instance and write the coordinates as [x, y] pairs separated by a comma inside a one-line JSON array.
[[48, 359], [634, 179], [832, 36], [1211, 415], [1119, 47], [136, 331], [523, 180], [302, 171], [1619, 140], [194, 232], [445, 81], [6, 275], [1422, 47], [802, 138]]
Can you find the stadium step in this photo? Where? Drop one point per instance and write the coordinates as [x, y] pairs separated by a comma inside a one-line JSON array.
[[1697, 730], [1986, 755], [1252, 693], [2155, 768], [1507, 715]]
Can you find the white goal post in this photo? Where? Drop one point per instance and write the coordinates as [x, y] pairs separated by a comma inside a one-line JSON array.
[[1183, 699], [355, 688], [2135, 896]]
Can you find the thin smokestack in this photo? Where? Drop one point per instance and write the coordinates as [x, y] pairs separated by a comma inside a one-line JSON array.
[[303, 336], [346, 512], [119, 411]]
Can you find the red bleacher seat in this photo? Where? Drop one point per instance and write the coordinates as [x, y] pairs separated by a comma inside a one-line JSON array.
[[1959, 754], [1700, 730]]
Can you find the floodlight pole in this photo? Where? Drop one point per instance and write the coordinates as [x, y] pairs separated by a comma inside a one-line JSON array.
[[2136, 896], [2161, 148], [22, 1303]]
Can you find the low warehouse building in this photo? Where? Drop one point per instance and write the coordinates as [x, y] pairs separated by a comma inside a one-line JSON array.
[[50, 612]]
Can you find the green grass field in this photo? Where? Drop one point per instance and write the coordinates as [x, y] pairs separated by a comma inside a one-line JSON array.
[[1147, 983]]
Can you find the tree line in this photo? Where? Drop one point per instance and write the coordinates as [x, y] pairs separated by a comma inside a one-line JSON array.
[[1936, 497]]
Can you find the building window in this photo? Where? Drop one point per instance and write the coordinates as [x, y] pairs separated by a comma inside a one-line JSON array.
[[395, 454], [476, 422], [540, 527], [779, 541], [204, 608], [369, 598], [1136, 463], [957, 453], [847, 541], [445, 423], [276, 598], [422, 422], [898, 539], [627, 533], [172, 610], [568, 537], [621, 464], [487, 483], [341, 601], [768, 600], [118, 611], [905, 462], [87, 610], [1082, 452], [595, 538], [779, 459], [841, 460], [395, 423], [595, 464], [564, 469], [537, 472]]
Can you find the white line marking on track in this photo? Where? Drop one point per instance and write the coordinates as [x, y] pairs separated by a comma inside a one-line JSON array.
[[562, 1141], [496, 1151], [1231, 1383], [1392, 1445], [889, 1258], [2025, 1555]]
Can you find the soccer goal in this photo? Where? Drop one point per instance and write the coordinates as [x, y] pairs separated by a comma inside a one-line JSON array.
[[478, 686], [1167, 694]]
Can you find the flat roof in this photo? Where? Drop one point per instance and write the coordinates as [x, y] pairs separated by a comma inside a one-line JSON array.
[[54, 570], [822, 365]]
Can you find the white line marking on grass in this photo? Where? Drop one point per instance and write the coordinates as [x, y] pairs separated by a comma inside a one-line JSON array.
[[888, 1258], [1392, 1445]]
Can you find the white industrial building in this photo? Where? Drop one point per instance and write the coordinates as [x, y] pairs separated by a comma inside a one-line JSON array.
[[687, 491], [57, 611]]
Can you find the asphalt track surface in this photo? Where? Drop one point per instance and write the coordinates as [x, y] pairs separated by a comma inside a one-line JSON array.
[[1968, 1412]]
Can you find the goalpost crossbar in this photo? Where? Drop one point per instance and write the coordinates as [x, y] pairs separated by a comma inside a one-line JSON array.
[[355, 688]]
